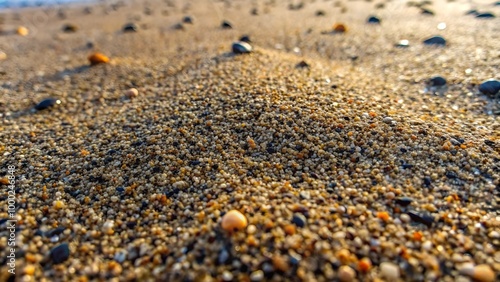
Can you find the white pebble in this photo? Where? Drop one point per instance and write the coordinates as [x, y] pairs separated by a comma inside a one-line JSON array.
[[132, 93], [389, 271]]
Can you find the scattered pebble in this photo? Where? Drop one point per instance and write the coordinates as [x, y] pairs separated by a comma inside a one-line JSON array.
[[226, 25], [436, 81], [130, 27], [188, 20], [435, 40], [234, 220], [426, 11], [299, 220], [257, 276], [98, 58], [245, 38], [60, 253], [302, 65], [373, 20], [425, 219], [483, 273], [69, 28], [346, 273], [339, 28], [486, 15], [47, 103], [3, 56], [490, 87], [403, 43], [390, 271], [132, 93], [241, 48], [23, 31]]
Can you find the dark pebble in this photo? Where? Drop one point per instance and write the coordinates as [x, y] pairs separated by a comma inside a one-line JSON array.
[[54, 232], [425, 219], [226, 25], [47, 103], [404, 201], [320, 13], [188, 20], [472, 12], [435, 40], [485, 16], [425, 11], [60, 253], [437, 81], [69, 28], [245, 38], [490, 143], [241, 48], [302, 65], [130, 27], [490, 87], [373, 20], [427, 181], [178, 26], [299, 219]]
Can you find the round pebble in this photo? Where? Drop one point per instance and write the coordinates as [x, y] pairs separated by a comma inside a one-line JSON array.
[[490, 87], [346, 273], [403, 43], [234, 220], [98, 58], [435, 40], [436, 81], [60, 253], [373, 20], [3, 56], [299, 220], [187, 20], [483, 273], [390, 271], [47, 103], [23, 31], [257, 275], [132, 93], [245, 38], [241, 48], [339, 28]]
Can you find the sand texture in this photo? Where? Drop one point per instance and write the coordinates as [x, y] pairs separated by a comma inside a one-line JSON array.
[[346, 164]]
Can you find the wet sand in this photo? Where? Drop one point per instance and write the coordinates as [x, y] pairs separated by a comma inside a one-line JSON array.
[[346, 167]]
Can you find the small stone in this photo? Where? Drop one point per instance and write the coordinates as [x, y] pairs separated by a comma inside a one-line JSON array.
[[257, 275], [490, 87], [425, 11], [69, 28], [47, 103], [3, 56], [245, 38], [60, 253], [425, 219], [346, 273], [227, 276], [339, 28], [130, 27], [280, 263], [389, 271], [241, 48], [23, 31], [483, 273], [178, 26], [373, 20], [98, 58], [107, 227], [299, 219], [58, 205], [226, 25], [403, 43], [472, 12], [234, 220], [436, 81], [132, 93], [486, 15], [435, 40], [404, 201], [320, 13], [302, 65], [187, 20]]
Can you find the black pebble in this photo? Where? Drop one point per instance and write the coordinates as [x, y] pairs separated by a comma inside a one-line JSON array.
[[404, 201], [69, 28], [485, 16], [130, 27], [373, 20], [425, 11], [437, 81], [299, 220], [54, 232], [226, 25], [47, 103], [188, 20], [245, 38], [302, 65], [241, 48], [320, 13], [490, 87], [425, 219], [60, 253], [472, 12], [435, 40], [427, 181]]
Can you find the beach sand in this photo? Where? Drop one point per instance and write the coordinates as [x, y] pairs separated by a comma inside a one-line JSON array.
[[346, 168]]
